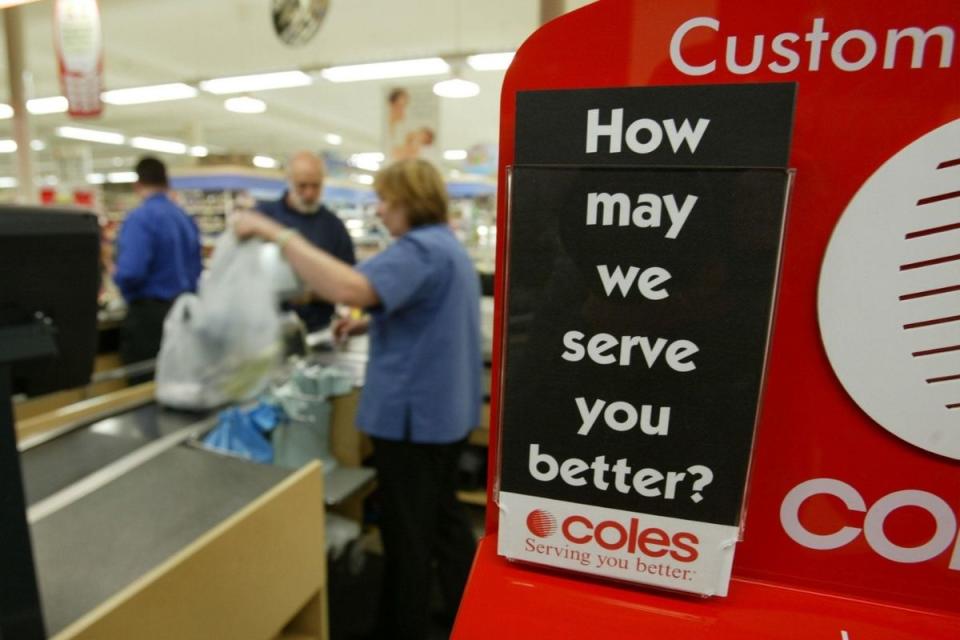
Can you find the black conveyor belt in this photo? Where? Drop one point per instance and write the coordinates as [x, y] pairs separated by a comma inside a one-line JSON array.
[[56, 464], [92, 548]]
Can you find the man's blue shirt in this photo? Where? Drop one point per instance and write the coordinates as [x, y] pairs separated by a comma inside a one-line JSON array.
[[423, 381], [324, 230], [158, 251]]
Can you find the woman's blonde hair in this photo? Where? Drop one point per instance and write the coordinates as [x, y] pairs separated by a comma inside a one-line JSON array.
[[416, 186]]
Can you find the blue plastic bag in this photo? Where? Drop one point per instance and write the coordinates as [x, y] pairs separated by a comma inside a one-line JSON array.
[[241, 433]]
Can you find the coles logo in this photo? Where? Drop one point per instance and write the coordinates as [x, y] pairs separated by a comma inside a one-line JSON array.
[[541, 523], [943, 537], [614, 536]]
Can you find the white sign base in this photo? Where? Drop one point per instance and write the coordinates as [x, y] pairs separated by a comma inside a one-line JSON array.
[[670, 553]]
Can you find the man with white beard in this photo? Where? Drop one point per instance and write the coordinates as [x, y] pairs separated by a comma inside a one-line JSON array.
[[300, 209]]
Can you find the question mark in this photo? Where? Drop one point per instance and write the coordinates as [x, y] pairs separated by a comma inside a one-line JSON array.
[[705, 478]]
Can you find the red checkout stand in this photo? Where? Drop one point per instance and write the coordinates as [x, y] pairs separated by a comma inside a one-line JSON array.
[[850, 524]]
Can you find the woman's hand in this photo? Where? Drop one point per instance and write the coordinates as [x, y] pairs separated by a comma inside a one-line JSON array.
[[345, 327], [250, 224]]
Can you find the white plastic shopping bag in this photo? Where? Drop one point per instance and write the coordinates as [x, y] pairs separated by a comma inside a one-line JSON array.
[[221, 345]]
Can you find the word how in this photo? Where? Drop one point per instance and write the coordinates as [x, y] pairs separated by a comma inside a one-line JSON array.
[[647, 214], [622, 416], [650, 129], [851, 51], [676, 353]]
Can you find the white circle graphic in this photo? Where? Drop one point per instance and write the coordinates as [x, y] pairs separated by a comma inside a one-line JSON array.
[[889, 294]]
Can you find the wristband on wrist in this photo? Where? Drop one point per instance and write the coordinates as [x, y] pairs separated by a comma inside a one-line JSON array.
[[283, 237]]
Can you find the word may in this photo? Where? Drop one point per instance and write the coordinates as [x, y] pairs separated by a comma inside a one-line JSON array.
[[647, 214], [788, 59], [648, 282], [598, 350], [677, 136], [630, 419]]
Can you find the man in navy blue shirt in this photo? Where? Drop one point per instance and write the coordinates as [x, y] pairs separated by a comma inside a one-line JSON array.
[[300, 209], [158, 258]]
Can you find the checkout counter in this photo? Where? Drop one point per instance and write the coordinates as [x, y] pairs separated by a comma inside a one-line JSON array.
[[140, 532]]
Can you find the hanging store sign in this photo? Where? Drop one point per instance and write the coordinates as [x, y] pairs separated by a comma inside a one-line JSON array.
[[643, 251], [79, 44]]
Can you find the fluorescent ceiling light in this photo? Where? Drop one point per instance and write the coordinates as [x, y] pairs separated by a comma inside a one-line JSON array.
[[122, 176], [490, 61], [96, 178], [7, 182], [12, 3], [154, 93], [43, 106], [158, 144], [6, 111], [256, 82], [455, 154], [264, 162], [362, 178], [333, 139], [367, 165], [369, 160], [199, 151], [456, 88], [90, 135], [9, 146], [245, 104], [386, 70]]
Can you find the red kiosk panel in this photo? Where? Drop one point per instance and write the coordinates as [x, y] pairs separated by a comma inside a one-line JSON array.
[[854, 490]]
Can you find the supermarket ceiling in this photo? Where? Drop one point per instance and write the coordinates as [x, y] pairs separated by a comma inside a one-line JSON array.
[[147, 42]]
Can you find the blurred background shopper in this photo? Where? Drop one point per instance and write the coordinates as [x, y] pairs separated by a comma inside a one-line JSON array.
[[158, 258], [422, 394], [300, 208]]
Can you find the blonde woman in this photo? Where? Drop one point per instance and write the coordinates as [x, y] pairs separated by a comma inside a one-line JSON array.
[[422, 392]]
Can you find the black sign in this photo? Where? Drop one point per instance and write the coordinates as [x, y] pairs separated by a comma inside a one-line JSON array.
[[639, 298], [744, 125]]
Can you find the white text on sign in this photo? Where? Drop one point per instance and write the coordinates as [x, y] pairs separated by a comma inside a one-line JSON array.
[[609, 209], [650, 130]]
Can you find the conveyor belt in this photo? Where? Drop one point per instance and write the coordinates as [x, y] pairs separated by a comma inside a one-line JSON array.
[[113, 499], [56, 464], [91, 549]]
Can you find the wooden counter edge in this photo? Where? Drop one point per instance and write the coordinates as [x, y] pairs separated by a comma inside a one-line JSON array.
[[86, 410], [260, 572]]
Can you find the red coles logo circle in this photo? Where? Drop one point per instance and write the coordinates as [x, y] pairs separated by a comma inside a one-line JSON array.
[[541, 523]]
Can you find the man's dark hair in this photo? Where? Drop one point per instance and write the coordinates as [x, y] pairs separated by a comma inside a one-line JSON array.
[[151, 172]]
